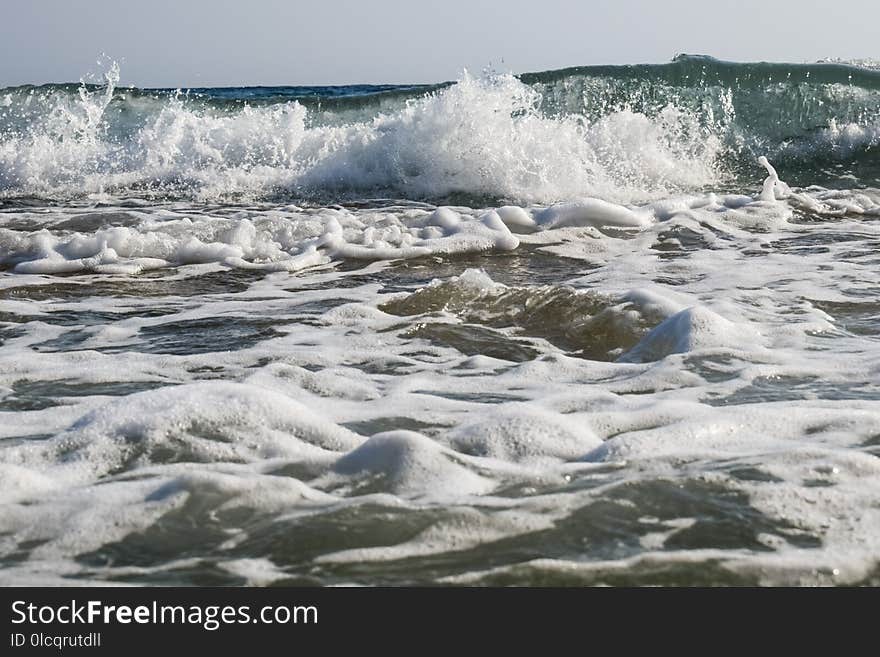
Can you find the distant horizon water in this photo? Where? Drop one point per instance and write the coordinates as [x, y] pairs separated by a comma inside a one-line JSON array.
[[490, 67]]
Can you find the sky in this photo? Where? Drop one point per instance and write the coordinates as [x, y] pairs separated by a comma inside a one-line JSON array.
[[172, 43]]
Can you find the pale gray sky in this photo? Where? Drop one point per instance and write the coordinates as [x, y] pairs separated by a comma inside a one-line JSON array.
[[250, 42]]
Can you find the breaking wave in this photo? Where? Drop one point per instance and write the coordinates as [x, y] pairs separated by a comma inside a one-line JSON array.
[[624, 133]]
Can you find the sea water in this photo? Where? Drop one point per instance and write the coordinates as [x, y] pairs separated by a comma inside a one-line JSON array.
[[605, 325]]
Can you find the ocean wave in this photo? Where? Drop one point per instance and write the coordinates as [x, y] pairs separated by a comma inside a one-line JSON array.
[[628, 133]]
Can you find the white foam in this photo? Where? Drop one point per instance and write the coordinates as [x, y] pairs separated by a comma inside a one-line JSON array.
[[745, 394], [413, 465], [482, 136], [516, 432], [691, 329], [208, 422], [281, 242], [592, 212]]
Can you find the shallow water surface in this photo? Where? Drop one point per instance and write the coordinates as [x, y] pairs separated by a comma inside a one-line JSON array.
[[507, 331]]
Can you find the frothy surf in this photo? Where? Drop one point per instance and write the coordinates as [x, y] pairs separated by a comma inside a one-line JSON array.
[[604, 325], [623, 133]]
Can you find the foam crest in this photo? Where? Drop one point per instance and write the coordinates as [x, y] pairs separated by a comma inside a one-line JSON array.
[[282, 241], [207, 422], [519, 432], [691, 329], [409, 463], [483, 137]]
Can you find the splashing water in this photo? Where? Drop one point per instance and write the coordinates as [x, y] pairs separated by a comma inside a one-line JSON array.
[[626, 133]]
